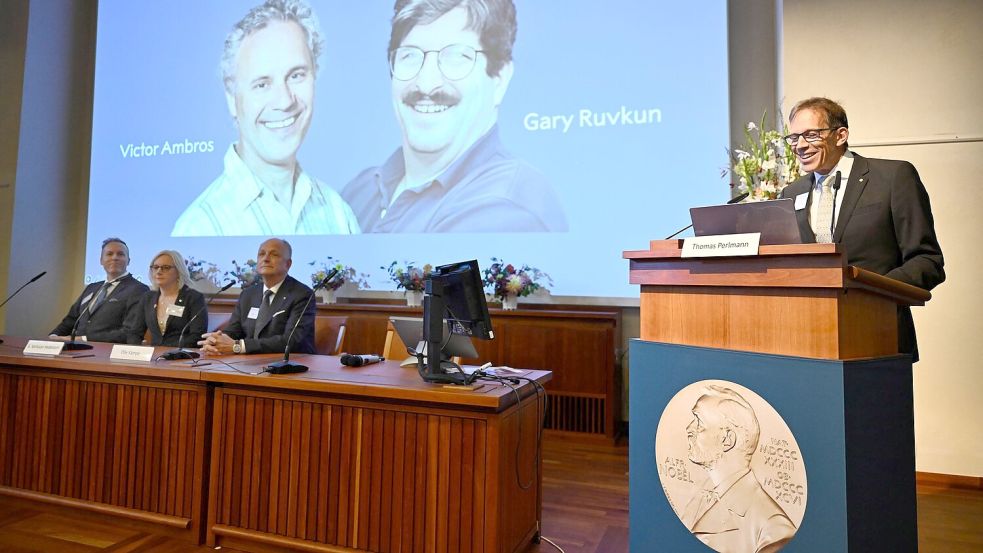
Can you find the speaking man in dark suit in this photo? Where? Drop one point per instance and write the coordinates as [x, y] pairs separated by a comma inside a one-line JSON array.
[[101, 310], [265, 314], [877, 208]]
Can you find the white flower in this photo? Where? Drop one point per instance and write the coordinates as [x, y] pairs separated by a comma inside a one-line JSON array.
[[742, 155], [769, 165], [751, 126]]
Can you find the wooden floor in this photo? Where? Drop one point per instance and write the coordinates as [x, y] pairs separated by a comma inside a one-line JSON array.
[[585, 510]]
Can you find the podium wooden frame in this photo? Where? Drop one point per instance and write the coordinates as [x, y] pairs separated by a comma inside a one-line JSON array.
[[800, 300]]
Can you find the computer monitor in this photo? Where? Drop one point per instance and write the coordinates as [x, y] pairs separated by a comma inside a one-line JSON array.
[[454, 295]]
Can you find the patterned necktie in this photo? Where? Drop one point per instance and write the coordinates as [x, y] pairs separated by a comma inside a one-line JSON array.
[[100, 297], [264, 312], [824, 216]]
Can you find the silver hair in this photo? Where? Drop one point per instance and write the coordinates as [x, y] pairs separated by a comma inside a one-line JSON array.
[[183, 276], [258, 18], [286, 246]]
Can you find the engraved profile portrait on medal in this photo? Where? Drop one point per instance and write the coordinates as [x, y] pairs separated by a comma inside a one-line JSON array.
[[730, 468]]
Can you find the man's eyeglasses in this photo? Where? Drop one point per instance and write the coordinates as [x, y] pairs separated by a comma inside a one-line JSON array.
[[455, 61], [163, 268], [811, 136]]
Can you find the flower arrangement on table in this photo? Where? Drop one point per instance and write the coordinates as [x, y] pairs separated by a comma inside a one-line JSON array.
[[244, 274], [203, 271], [765, 164], [408, 276], [345, 274], [505, 281]]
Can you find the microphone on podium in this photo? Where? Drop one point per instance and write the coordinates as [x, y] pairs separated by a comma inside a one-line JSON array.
[[735, 200], [11, 296]]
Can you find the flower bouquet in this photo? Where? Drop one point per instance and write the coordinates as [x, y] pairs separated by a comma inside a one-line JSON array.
[[508, 283], [765, 164], [205, 275], [345, 275], [411, 278], [244, 274]]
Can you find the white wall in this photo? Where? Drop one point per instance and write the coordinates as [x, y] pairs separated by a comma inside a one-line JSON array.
[[909, 74]]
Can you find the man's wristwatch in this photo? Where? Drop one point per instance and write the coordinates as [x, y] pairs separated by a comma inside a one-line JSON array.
[[237, 347]]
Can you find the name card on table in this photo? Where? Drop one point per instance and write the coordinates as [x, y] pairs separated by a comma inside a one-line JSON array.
[[722, 245], [43, 347], [132, 353]]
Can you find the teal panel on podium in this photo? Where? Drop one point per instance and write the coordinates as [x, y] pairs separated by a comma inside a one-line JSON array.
[[736, 451]]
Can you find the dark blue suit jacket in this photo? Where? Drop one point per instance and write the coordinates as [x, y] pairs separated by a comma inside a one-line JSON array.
[[106, 323], [286, 309]]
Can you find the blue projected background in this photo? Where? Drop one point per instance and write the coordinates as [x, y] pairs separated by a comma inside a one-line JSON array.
[[622, 180]]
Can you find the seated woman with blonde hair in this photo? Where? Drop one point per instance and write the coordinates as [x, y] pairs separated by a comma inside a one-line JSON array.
[[169, 305]]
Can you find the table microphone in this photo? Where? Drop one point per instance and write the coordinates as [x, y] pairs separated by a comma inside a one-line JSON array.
[[11, 296], [71, 344], [351, 360], [286, 366], [735, 200], [180, 352]]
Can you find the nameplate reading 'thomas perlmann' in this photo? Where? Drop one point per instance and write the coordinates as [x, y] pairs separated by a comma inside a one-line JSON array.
[[721, 245]]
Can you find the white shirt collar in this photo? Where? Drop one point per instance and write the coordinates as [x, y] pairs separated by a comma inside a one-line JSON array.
[[275, 288], [843, 165], [116, 280]]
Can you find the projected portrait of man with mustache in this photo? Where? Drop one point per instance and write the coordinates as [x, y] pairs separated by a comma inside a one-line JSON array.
[[269, 68], [451, 63]]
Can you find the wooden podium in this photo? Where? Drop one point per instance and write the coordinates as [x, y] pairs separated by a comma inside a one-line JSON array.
[[817, 340], [797, 300]]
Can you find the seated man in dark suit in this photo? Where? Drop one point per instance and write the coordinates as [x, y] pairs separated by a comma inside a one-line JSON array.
[[101, 310], [877, 208], [265, 314]]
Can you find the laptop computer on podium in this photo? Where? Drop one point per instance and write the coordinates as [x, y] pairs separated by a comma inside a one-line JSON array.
[[774, 219]]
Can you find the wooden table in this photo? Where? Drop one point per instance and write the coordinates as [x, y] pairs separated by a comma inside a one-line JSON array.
[[334, 459], [124, 439], [578, 344]]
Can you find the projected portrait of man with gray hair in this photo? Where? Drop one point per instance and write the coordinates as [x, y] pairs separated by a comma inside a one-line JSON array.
[[269, 69], [731, 512], [450, 64]]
